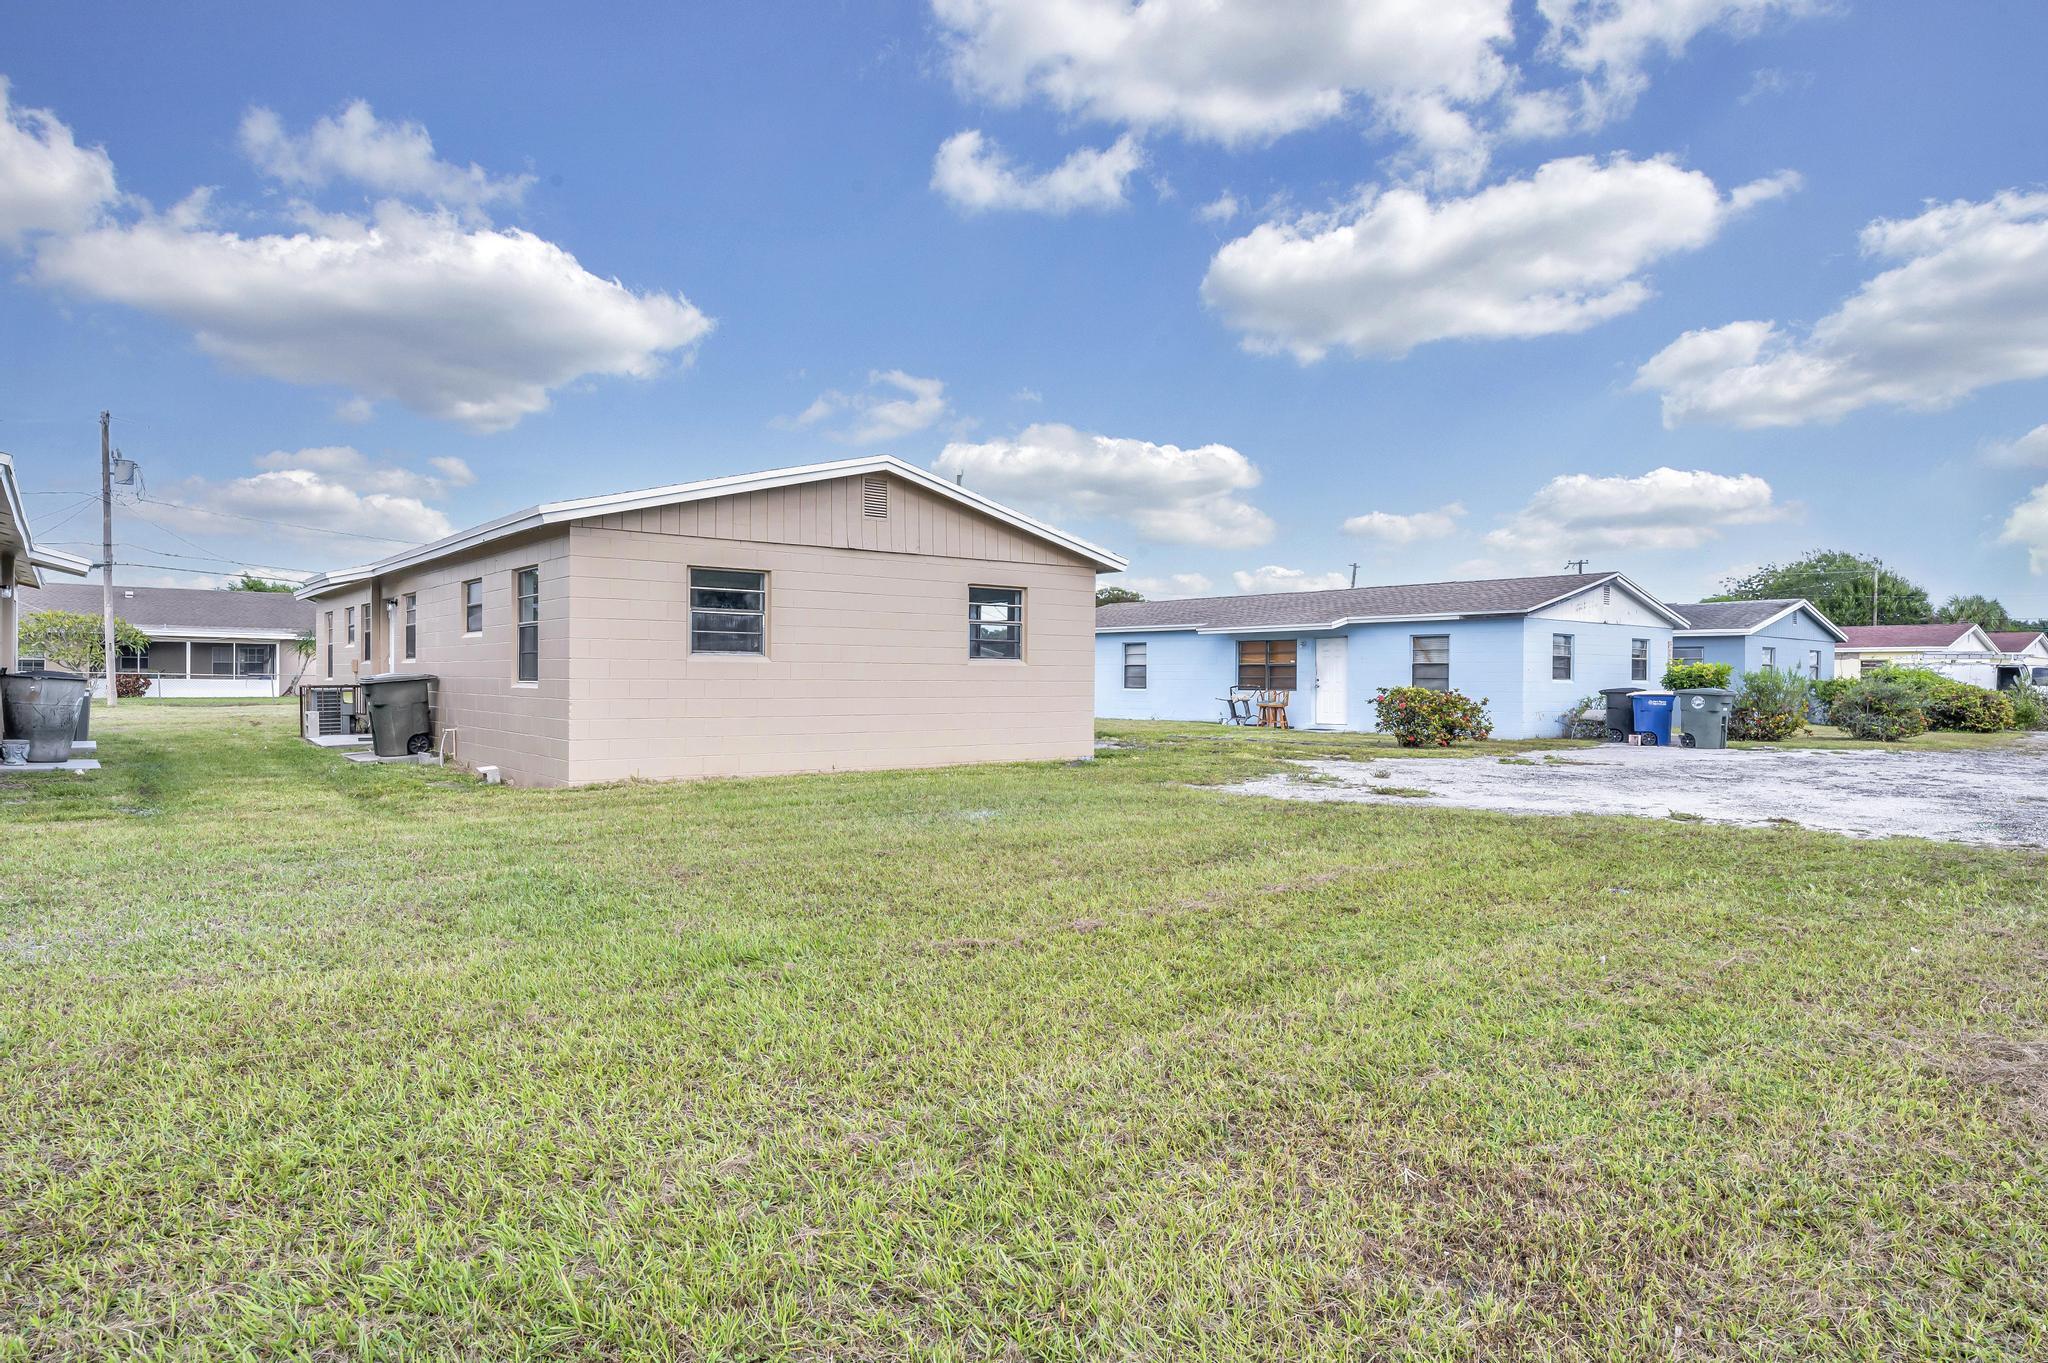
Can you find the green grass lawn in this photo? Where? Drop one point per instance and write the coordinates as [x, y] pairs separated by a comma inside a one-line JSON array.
[[312, 1060]]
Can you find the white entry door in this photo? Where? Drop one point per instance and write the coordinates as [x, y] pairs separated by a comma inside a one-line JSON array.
[[1333, 680]]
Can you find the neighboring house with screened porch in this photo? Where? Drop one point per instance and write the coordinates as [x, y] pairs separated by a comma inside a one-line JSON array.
[[856, 614], [201, 642], [1531, 647]]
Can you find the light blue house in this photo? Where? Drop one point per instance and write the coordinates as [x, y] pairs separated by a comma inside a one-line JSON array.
[[1531, 647], [1785, 635]]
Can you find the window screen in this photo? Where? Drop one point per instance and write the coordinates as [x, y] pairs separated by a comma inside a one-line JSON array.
[[473, 606], [1639, 660], [255, 660], [1265, 665], [412, 626], [1429, 663], [1688, 653], [1770, 659], [1813, 663], [995, 622], [728, 609], [1134, 667], [1560, 657]]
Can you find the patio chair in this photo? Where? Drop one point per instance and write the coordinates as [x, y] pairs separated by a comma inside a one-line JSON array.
[[1237, 710]]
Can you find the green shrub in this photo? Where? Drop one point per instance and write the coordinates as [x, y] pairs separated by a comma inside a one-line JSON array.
[[1965, 709], [1576, 725], [2029, 706], [1827, 691], [1876, 707], [1418, 717], [1680, 676], [1770, 706]]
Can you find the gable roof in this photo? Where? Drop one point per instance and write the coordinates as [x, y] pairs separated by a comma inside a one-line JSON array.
[[556, 513], [1913, 636], [2017, 640], [15, 532], [1746, 617], [1497, 596], [176, 610]]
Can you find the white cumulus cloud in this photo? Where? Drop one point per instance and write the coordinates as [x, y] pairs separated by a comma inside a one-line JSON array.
[[48, 183], [1559, 251], [389, 158], [2027, 527], [1222, 208], [1964, 306], [1274, 578], [1163, 588], [1170, 495], [468, 324], [1393, 530], [876, 416], [975, 175], [1666, 508], [2029, 451], [311, 496]]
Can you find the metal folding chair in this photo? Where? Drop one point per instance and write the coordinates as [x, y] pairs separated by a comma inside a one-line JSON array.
[[1237, 710]]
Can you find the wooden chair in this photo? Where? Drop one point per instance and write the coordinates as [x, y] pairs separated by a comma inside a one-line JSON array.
[[1273, 710]]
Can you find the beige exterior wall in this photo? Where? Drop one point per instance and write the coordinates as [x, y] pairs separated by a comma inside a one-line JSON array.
[[866, 663]]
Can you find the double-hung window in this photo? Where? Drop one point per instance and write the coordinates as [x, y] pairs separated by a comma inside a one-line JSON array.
[[1813, 663], [1770, 659], [995, 622], [1134, 667], [255, 660], [412, 626], [1265, 665], [1639, 660], [350, 616], [1429, 661], [473, 606], [526, 585], [1560, 657], [330, 643], [728, 611]]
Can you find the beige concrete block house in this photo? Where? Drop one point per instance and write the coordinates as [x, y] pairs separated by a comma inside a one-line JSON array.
[[848, 615]]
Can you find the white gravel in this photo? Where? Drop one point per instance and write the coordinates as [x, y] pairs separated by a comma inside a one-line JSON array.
[[1997, 797]]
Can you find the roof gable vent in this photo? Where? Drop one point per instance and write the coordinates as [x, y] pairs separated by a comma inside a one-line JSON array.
[[874, 496]]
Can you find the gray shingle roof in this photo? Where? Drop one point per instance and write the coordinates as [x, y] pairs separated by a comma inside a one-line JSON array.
[[1285, 610], [1731, 614], [175, 608], [1905, 636]]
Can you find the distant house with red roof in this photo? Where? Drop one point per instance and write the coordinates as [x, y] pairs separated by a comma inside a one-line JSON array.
[[1963, 651]]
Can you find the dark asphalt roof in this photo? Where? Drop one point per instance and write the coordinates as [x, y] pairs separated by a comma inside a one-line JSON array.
[[1730, 614], [173, 608], [1281, 610], [1905, 636]]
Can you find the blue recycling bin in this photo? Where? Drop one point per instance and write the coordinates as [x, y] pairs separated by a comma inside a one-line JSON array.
[[1653, 716]]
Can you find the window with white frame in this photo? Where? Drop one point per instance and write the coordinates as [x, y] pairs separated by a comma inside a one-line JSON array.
[[330, 643], [473, 606], [1429, 661], [526, 583], [349, 615], [1639, 660], [1134, 667], [255, 660], [995, 622], [1560, 657], [728, 611], [412, 626]]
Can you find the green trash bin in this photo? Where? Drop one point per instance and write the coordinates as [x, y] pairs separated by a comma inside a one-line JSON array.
[[1703, 716], [401, 708]]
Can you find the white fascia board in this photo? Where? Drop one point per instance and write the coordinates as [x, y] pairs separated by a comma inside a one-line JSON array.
[[173, 632], [323, 584], [582, 508], [58, 561]]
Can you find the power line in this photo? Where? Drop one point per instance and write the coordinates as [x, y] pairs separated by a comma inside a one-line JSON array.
[[264, 520]]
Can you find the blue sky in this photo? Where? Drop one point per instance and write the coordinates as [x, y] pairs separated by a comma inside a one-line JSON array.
[[1677, 286]]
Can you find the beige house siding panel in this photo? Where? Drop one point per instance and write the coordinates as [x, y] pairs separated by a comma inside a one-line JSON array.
[[866, 663], [523, 729]]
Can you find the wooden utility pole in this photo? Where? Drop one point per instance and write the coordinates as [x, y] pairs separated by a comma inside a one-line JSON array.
[[107, 553], [1874, 565]]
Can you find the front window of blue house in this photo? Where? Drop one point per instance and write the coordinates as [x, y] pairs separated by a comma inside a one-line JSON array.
[[1429, 661], [1560, 657]]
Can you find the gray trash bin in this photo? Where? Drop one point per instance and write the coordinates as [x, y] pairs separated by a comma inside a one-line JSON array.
[[1703, 716], [401, 708], [1621, 711], [42, 707]]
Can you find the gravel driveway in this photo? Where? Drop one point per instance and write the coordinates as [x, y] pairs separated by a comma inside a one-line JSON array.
[[1998, 796]]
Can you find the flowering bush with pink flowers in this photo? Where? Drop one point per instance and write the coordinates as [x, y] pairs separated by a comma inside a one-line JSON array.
[[1418, 717]]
